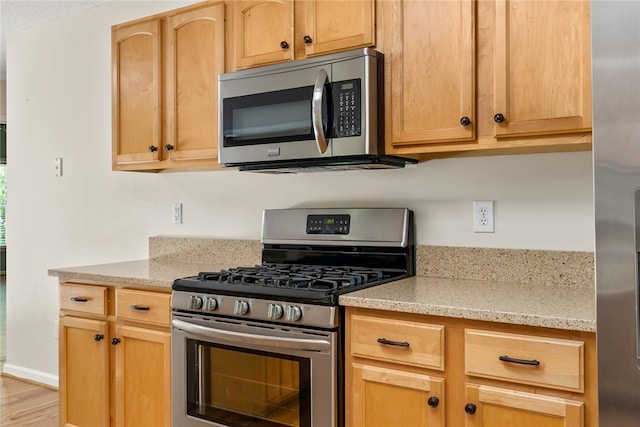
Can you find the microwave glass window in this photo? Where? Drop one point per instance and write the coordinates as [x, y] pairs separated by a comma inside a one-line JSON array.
[[237, 386], [265, 121], [270, 117]]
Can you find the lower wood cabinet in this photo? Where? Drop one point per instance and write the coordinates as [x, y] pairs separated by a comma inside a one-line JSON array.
[[503, 407], [115, 357], [387, 397], [408, 369]]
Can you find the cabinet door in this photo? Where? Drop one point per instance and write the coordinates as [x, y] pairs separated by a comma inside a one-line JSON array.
[[334, 26], [542, 67], [386, 397], [142, 377], [84, 372], [136, 94], [195, 41], [498, 407], [431, 91], [263, 32]]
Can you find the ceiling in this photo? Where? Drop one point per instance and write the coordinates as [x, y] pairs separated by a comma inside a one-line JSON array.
[[16, 15]]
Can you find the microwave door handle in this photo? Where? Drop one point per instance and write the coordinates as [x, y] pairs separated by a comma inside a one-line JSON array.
[[316, 110]]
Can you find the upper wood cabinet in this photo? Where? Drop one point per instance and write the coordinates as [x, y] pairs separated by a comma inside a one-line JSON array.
[[270, 31], [164, 89], [431, 50], [542, 67], [499, 76], [263, 32], [136, 92]]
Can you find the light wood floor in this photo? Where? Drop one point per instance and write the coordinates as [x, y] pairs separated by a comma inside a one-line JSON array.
[[25, 404]]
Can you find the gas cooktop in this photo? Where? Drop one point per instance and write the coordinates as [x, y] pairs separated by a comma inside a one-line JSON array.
[[312, 256]]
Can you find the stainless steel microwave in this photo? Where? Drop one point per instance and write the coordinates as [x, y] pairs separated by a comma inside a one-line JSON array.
[[319, 113]]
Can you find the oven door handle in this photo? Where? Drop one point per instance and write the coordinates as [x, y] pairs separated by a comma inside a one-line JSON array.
[[244, 338]]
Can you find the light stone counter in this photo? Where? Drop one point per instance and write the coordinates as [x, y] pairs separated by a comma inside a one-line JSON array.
[[155, 273], [570, 308], [552, 289]]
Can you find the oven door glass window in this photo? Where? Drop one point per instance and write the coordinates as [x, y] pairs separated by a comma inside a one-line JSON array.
[[243, 387], [270, 117]]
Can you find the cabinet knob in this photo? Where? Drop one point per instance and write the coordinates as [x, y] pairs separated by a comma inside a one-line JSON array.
[[470, 408], [98, 337], [153, 148], [115, 341], [284, 45], [168, 147], [498, 118], [307, 40], [465, 121], [433, 402]]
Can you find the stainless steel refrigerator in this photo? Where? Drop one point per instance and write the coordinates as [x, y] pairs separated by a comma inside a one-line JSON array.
[[615, 33]]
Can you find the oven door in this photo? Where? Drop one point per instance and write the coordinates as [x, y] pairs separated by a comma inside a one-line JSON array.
[[231, 373]]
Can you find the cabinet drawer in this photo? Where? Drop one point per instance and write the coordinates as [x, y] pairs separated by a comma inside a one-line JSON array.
[[399, 341], [83, 298], [143, 306], [527, 359]]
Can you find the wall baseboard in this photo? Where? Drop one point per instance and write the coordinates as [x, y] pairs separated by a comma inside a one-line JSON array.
[[31, 375]]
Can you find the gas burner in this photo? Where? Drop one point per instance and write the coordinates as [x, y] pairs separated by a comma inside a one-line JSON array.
[[294, 276]]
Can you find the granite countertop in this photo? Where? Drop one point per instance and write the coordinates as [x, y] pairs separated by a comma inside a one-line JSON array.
[[153, 273], [517, 303], [553, 289]]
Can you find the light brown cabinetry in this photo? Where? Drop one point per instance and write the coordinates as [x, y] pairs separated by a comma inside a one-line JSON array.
[[270, 31], [483, 374], [164, 89], [115, 356], [486, 77], [393, 393]]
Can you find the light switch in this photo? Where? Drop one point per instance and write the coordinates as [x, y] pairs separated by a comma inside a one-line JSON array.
[[58, 166]]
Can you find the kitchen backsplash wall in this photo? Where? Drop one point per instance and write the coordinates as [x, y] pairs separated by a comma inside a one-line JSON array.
[[567, 269]]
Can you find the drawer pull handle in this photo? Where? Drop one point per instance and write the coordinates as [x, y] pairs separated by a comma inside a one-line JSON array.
[[139, 307], [396, 343], [531, 362], [79, 299]]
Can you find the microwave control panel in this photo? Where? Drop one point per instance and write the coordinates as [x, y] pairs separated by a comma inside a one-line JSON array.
[[347, 108]]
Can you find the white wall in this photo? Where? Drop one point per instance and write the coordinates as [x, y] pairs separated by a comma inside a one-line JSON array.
[[59, 105]]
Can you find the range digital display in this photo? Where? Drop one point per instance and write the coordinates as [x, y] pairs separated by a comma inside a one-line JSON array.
[[328, 224]]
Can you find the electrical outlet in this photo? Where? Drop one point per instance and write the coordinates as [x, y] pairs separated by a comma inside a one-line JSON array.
[[56, 328], [176, 213], [483, 216]]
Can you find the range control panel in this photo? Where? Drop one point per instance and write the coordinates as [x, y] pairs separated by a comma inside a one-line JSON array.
[[328, 224]]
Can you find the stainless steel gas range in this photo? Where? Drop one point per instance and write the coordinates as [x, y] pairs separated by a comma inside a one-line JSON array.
[[263, 345]]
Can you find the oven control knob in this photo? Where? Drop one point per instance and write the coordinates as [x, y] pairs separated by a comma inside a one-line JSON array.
[[274, 312], [241, 307], [293, 313], [210, 304], [195, 302]]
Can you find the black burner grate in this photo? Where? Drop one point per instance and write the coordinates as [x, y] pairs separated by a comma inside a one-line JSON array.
[[296, 276]]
